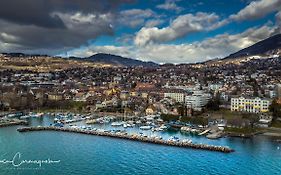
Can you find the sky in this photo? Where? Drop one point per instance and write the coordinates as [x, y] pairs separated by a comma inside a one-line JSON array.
[[163, 31]]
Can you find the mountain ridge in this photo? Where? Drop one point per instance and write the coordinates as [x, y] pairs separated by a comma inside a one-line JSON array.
[[263, 47], [119, 60], [99, 58]]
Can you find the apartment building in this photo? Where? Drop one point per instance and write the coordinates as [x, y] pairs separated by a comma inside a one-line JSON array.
[[252, 105], [197, 100]]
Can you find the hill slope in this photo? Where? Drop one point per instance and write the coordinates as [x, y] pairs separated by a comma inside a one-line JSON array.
[[118, 60], [267, 47]]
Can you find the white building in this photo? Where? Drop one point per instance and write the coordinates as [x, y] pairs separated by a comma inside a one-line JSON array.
[[252, 105], [177, 95], [197, 100], [215, 87]]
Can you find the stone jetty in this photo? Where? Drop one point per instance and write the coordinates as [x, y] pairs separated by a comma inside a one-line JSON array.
[[130, 137], [13, 122]]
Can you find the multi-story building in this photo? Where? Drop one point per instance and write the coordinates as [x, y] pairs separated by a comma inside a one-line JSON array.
[[197, 100], [176, 94], [252, 105]]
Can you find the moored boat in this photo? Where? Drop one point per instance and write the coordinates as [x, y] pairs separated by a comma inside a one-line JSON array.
[[145, 127]]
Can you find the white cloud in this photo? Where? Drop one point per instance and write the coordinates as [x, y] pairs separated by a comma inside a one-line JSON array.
[[170, 5], [78, 20], [219, 46], [135, 17], [278, 18], [257, 9], [180, 27], [153, 22], [278, 22]]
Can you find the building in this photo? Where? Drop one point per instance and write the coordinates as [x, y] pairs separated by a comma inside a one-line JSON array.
[[124, 95], [197, 100], [252, 105], [215, 87], [150, 110], [55, 96], [177, 95]]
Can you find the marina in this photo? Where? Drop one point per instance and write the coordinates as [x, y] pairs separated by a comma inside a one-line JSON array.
[[151, 158]]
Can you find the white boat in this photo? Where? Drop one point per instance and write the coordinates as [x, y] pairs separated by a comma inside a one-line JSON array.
[[24, 117], [194, 130], [74, 126], [186, 141], [163, 127], [116, 123], [129, 125], [185, 129], [145, 127]]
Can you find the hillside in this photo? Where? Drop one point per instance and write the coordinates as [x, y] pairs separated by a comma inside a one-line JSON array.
[[268, 47], [118, 60], [42, 63]]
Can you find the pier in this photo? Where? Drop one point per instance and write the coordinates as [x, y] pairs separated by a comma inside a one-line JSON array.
[[126, 136]]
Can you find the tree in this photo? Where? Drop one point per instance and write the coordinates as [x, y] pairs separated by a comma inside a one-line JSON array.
[[214, 104], [275, 108]]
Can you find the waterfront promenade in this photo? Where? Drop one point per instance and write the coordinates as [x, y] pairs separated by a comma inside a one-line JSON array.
[[131, 137]]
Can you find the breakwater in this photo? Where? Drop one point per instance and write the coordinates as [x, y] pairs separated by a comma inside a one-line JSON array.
[[131, 137], [12, 123]]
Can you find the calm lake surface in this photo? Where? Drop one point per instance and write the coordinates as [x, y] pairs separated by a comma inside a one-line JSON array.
[[80, 154]]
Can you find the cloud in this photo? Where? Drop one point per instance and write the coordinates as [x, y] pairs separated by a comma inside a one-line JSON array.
[[278, 22], [54, 25], [210, 48], [218, 46], [125, 39], [278, 18], [180, 27], [170, 5], [135, 17], [37, 12], [154, 23], [257, 9]]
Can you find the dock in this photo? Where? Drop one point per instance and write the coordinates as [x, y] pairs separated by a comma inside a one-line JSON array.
[[126, 136]]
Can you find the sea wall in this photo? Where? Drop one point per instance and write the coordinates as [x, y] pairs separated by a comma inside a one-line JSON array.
[[12, 123], [131, 137]]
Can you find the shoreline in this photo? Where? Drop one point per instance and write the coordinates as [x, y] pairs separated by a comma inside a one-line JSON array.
[[222, 149]]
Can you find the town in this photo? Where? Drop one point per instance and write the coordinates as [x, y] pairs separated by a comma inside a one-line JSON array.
[[230, 97]]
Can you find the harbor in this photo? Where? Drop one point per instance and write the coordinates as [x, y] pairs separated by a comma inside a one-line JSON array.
[[121, 135], [77, 143]]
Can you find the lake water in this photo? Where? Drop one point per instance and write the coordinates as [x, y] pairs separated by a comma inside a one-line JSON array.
[[80, 154]]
